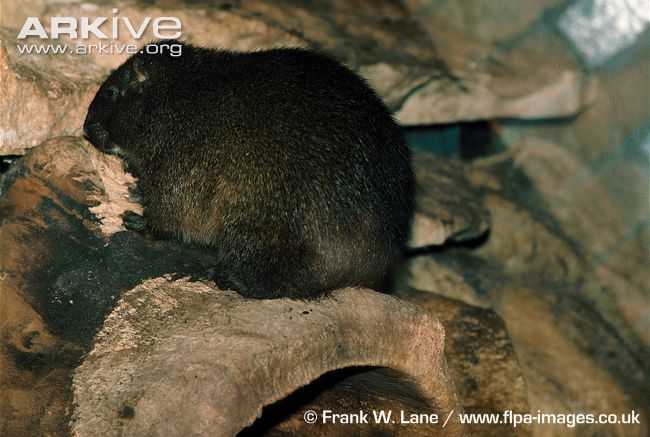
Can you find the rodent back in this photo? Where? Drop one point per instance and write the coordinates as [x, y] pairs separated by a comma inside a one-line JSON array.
[[273, 158], [282, 109]]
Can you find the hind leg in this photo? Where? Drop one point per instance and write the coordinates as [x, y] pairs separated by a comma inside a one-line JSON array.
[[225, 280], [247, 284], [260, 276]]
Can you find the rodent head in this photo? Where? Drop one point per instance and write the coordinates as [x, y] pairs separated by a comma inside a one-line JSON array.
[[111, 115]]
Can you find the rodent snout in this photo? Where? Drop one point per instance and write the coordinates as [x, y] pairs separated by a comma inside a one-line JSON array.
[[95, 133], [85, 132], [88, 121]]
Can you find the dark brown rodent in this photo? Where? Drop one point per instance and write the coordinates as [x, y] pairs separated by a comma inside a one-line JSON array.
[[283, 161]]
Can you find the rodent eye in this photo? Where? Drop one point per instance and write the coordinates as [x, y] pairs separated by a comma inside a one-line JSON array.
[[111, 92]]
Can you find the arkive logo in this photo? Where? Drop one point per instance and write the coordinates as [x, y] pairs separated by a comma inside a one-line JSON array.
[[83, 27]]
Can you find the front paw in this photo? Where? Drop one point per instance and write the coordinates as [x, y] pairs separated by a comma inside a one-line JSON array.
[[134, 222], [135, 194]]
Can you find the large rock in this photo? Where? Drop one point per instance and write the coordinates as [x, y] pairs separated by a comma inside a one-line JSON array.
[[62, 272], [482, 361], [494, 82], [485, 20], [43, 96], [592, 174], [424, 80], [448, 209], [569, 325], [224, 357]]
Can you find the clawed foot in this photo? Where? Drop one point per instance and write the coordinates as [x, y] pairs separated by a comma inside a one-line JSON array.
[[135, 194], [134, 222]]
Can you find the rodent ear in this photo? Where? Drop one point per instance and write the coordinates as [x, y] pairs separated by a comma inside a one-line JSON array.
[[135, 76], [139, 72]]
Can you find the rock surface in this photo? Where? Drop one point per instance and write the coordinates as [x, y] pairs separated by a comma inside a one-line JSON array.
[[577, 350], [592, 174], [43, 96], [448, 209], [68, 267], [228, 356], [58, 275], [482, 361], [477, 19], [423, 79]]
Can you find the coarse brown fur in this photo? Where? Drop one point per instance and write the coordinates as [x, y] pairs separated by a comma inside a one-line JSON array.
[[284, 161]]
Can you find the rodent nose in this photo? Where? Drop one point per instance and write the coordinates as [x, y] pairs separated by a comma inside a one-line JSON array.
[[87, 122]]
